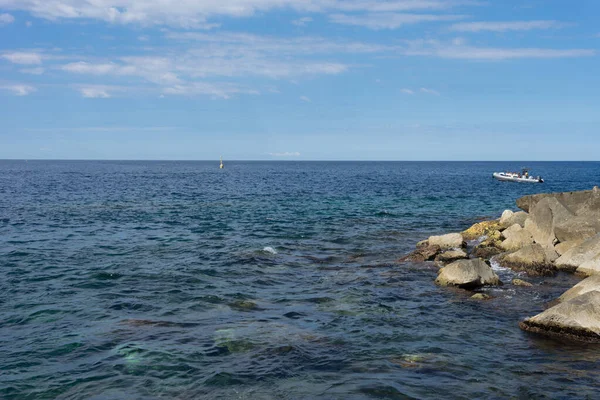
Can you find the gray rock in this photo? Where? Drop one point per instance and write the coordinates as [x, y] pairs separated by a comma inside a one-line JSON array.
[[563, 247], [451, 255], [575, 319], [578, 227], [449, 241], [590, 267], [517, 239], [542, 218], [511, 230], [510, 218], [577, 255], [467, 274], [586, 285], [533, 259], [574, 201]]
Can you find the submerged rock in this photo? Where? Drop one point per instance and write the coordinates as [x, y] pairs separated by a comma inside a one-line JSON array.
[[575, 319], [532, 259], [520, 282], [449, 241], [243, 305], [577, 255], [485, 228], [467, 274], [481, 296], [587, 285], [510, 218]]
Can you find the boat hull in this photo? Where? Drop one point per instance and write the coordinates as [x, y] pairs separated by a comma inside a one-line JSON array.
[[509, 178]]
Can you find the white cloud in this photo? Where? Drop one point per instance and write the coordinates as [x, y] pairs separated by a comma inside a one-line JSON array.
[[379, 21], [33, 71], [197, 13], [23, 58], [504, 26], [19, 90], [304, 98], [407, 91], [286, 154], [143, 38], [6, 19], [302, 21], [460, 50], [430, 91], [215, 90], [95, 91]]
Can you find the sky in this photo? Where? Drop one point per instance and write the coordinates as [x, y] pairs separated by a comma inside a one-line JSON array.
[[300, 79]]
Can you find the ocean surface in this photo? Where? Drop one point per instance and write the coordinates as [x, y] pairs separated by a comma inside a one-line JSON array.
[[266, 280]]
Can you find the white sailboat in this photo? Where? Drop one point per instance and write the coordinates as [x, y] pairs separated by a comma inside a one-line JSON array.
[[221, 166]]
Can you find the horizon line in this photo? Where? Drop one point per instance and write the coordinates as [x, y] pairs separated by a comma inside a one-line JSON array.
[[276, 160]]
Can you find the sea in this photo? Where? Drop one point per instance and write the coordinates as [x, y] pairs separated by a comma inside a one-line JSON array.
[[267, 280]]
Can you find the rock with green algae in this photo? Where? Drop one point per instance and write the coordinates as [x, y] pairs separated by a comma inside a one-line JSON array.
[[485, 228]]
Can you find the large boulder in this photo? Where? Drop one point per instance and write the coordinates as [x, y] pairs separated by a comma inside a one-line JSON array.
[[449, 241], [485, 228], [467, 274], [534, 259], [542, 218], [581, 201], [562, 247], [510, 218], [586, 285], [576, 215], [575, 228], [577, 255], [517, 239], [576, 319], [590, 267]]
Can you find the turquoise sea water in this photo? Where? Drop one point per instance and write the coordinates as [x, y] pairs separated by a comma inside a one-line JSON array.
[[265, 280]]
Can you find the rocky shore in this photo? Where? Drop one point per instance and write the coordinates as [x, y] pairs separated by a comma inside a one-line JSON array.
[[552, 232]]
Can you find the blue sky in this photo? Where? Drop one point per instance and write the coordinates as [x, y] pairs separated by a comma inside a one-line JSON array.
[[300, 79]]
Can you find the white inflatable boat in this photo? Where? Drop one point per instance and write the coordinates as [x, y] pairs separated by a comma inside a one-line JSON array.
[[516, 177]]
